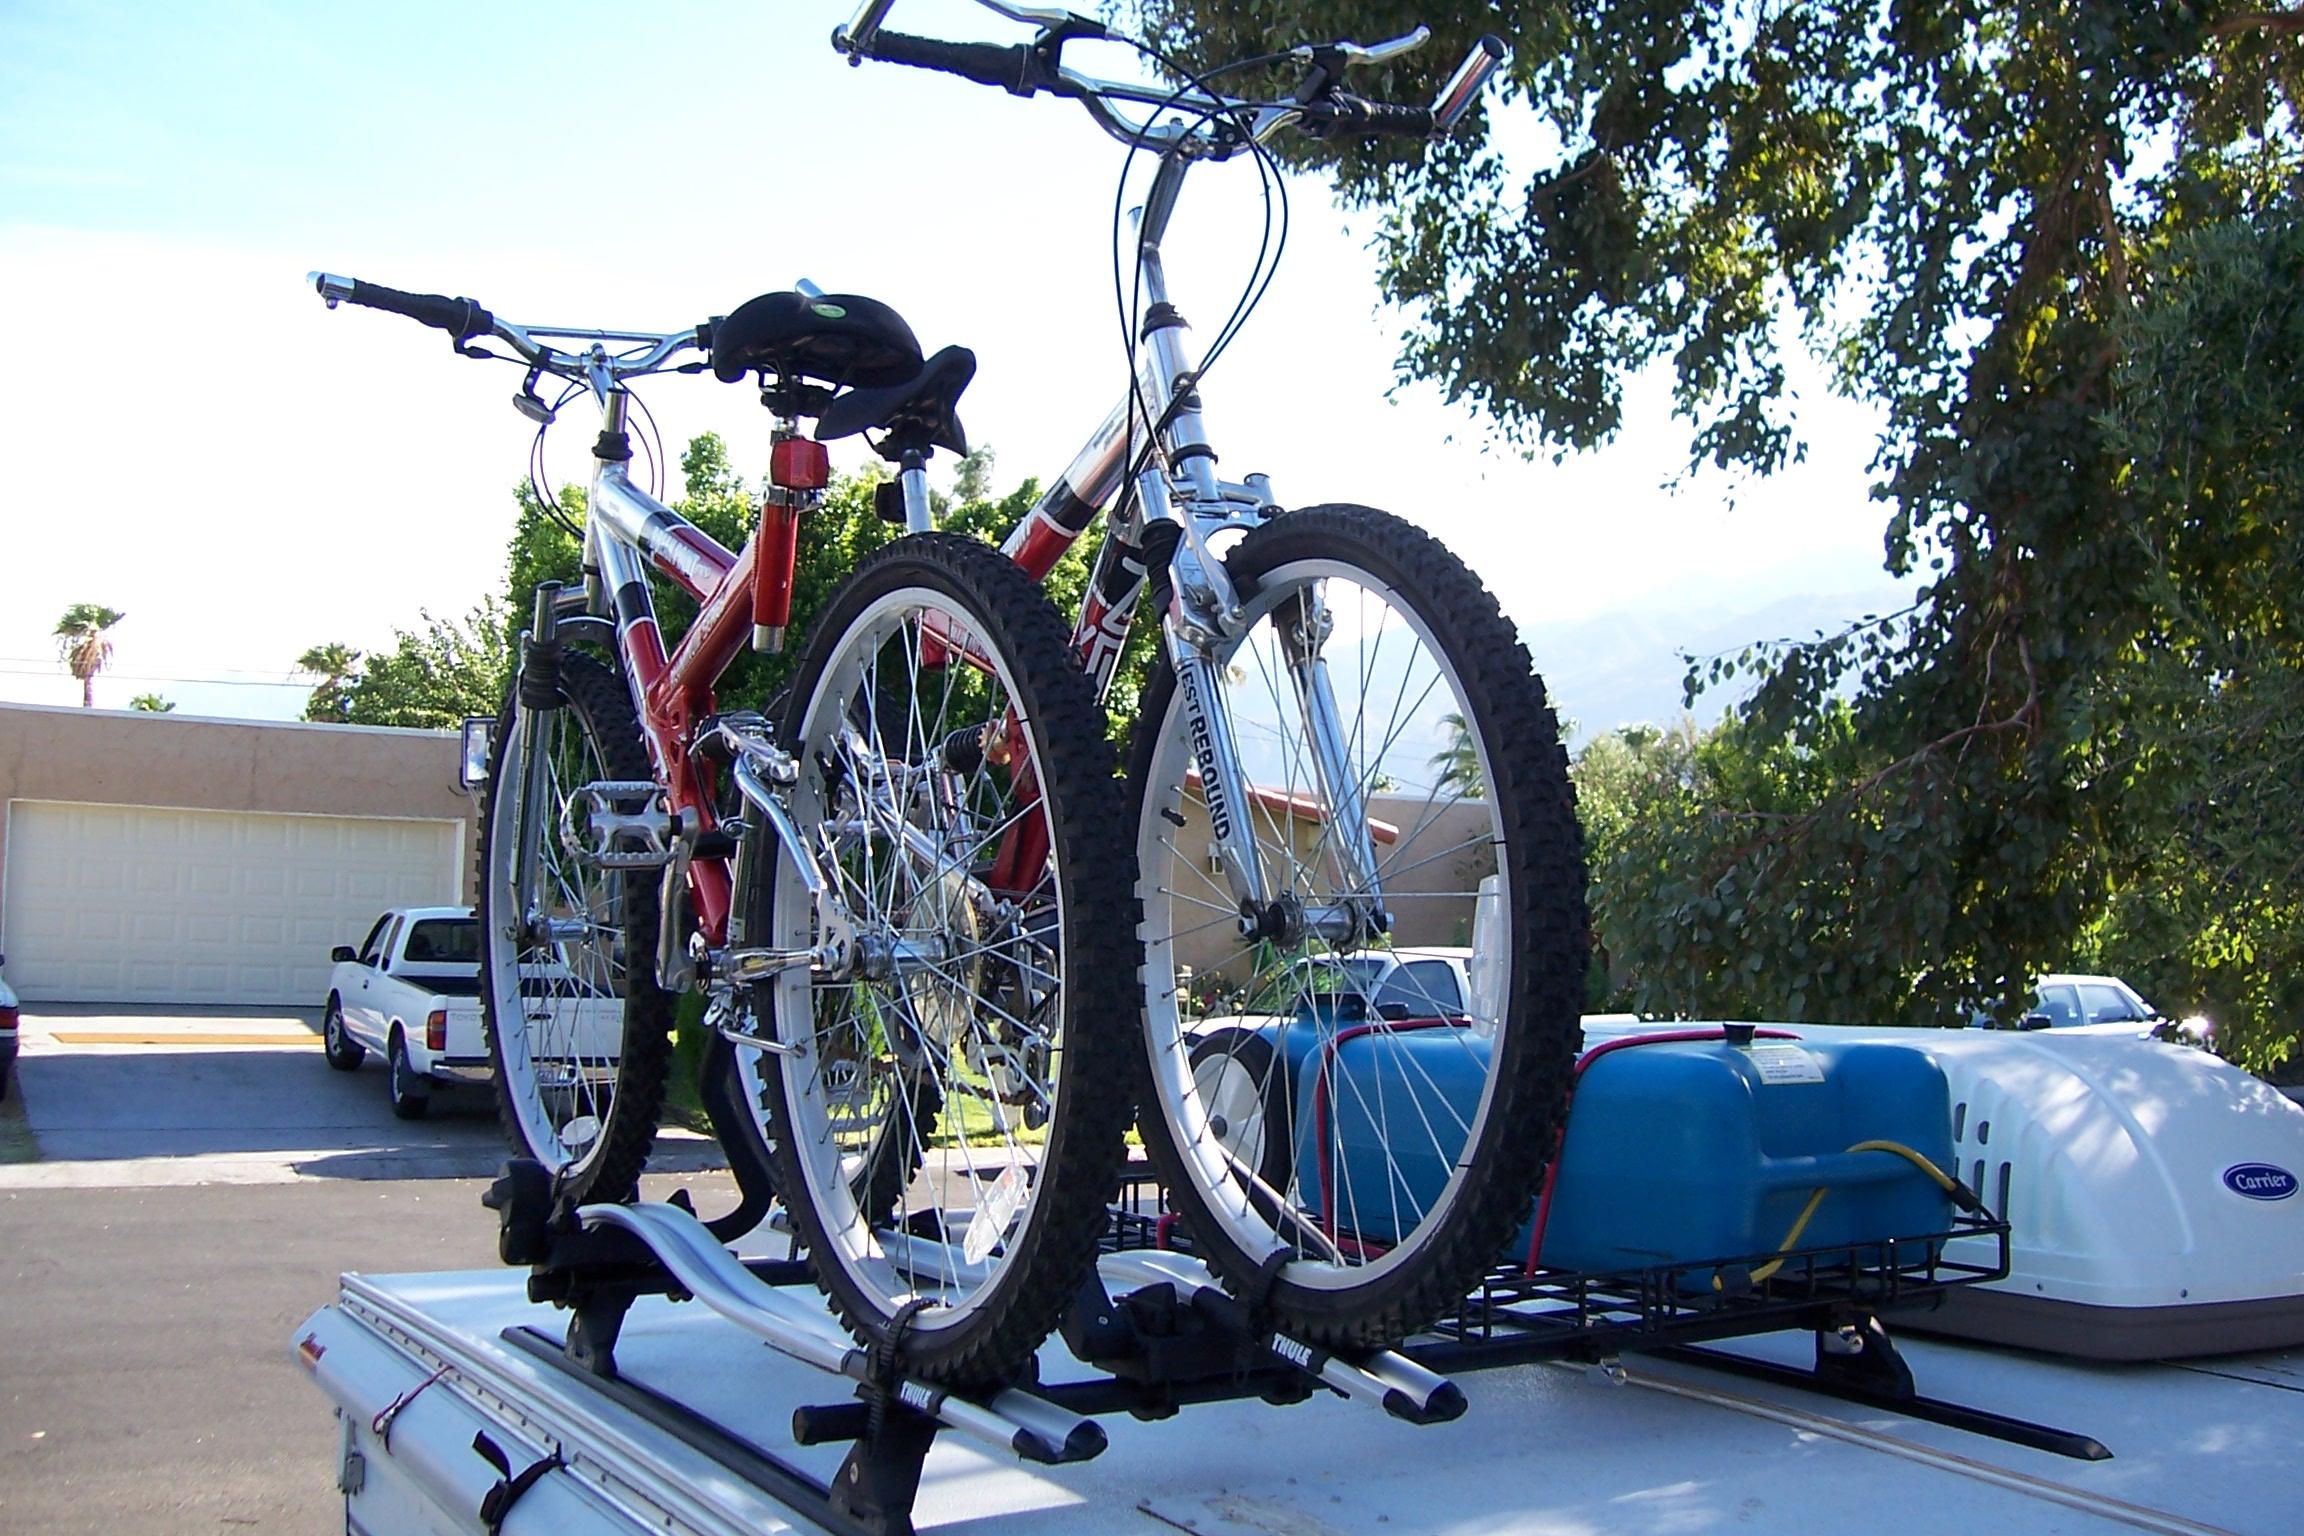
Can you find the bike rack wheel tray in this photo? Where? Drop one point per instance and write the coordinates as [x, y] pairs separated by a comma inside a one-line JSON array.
[[1159, 1333]]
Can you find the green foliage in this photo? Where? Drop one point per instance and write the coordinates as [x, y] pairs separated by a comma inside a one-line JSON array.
[[83, 644], [1967, 210], [2207, 912], [151, 704], [435, 676], [337, 665], [1458, 761]]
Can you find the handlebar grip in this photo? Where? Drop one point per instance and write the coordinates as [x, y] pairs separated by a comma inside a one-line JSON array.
[[1014, 69], [460, 318], [1345, 113]]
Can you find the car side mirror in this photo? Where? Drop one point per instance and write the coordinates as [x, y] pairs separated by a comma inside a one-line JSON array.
[[2037, 1021], [343, 954]]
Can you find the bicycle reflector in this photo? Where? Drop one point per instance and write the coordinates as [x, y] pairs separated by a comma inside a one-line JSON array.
[[800, 464]]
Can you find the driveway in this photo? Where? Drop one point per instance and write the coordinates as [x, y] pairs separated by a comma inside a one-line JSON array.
[[115, 1097], [147, 1383]]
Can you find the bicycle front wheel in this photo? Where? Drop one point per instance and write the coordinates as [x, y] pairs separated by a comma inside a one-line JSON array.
[[1401, 1011], [948, 1086], [578, 1031]]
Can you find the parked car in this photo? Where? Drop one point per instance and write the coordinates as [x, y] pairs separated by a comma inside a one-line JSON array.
[[1433, 982], [2101, 1005], [7, 1032], [411, 993]]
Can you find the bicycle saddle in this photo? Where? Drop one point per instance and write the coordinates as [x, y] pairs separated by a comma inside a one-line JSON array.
[[843, 339], [918, 413]]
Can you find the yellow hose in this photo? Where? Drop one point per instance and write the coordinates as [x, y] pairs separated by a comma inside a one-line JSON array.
[[1761, 1275], [1959, 1192]]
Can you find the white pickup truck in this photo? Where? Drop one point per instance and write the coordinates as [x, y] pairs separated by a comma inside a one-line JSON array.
[[411, 993]]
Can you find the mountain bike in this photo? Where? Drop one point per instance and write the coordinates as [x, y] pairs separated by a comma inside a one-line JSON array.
[[898, 896], [1342, 753]]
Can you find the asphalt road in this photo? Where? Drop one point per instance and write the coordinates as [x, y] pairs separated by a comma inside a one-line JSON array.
[[169, 1213]]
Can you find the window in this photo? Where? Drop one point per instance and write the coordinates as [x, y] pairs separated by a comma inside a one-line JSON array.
[[1313, 984], [372, 947], [2062, 1005], [444, 941], [1425, 988], [2103, 1004]]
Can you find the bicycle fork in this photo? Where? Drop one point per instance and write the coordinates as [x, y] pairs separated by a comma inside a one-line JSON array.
[[1264, 913]]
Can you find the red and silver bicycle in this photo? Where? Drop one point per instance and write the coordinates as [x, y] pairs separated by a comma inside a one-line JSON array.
[[900, 899]]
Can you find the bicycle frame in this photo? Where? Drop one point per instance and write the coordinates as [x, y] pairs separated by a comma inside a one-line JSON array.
[[741, 597]]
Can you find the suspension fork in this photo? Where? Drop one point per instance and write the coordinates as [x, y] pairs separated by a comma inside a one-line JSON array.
[[1305, 623], [537, 698]]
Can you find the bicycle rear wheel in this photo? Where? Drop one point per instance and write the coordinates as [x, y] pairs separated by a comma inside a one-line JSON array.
[[1415, 1120], [948, 1097], [578, 1031]]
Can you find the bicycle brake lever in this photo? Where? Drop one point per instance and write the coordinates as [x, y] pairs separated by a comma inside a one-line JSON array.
[[531, 405], [1373, 53]]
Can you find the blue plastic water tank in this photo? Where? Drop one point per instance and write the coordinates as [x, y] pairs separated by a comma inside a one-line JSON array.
[[1399, 1104], [1686, 1151]]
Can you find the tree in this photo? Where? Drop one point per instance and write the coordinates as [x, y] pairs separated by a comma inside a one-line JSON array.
[[1459, 760], [151, 704], [1959, 207], [433, 677], [2208, 915], [84, 646], [337, 665]]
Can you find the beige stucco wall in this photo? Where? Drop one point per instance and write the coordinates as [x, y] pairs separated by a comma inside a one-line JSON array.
[[126, 757], [1427, 922]]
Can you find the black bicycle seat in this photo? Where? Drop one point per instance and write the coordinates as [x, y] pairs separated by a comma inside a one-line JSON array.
[[843, 339], [917, 414]]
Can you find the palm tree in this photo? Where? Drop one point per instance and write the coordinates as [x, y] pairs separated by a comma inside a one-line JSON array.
[[82, 646], [336, 665], [1458, 761]]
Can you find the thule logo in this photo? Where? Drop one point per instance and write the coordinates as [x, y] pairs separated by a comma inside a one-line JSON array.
[[914, 1395], [2260, 1181], [1296, 1354], [1204, 753]]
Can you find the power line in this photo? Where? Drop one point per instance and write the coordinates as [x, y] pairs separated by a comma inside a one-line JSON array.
[[145, 677]]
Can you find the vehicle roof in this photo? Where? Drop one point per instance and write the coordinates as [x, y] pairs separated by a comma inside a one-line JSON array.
[[431, 911], [2075, 978]]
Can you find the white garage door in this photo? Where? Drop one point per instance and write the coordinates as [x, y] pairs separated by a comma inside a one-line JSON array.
[[115, 903]]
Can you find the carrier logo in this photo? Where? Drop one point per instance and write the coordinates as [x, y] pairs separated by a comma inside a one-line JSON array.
[[1211, 782], [2260, 1181]]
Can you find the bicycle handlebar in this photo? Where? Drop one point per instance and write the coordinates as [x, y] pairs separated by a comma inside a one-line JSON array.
[[461, 318], [1026, 69], [466, 322]]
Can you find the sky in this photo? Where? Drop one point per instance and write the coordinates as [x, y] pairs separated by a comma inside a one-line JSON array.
[[201, 443]]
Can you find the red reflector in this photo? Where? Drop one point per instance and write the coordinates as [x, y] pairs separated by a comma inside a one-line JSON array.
[[800, 464], [436, 1031], [310, 1349]]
